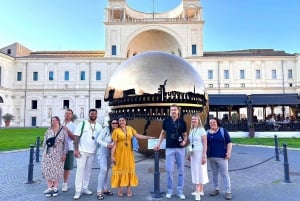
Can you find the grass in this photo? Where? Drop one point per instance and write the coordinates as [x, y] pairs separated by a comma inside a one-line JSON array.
[[19, 138], [291, 142], [22, 138]]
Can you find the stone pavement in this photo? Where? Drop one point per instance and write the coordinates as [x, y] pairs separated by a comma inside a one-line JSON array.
[[254, 172]]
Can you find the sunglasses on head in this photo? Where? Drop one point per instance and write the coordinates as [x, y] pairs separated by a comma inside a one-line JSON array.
[[114, 123]]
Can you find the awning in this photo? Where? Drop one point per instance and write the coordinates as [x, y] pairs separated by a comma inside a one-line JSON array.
[[222, 102], [227, 99], [274, 99]]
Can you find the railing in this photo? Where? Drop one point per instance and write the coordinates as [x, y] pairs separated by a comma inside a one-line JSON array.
[[263, 126]]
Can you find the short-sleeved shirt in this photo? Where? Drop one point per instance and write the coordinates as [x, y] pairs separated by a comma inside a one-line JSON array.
[[174, 131], [71, 126], [87, 142]]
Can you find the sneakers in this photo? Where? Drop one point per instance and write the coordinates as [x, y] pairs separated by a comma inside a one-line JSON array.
[[194, 193], [55, 192], [64, 187], [214, 192], [48, 192], [168, 195], [181, 197], [86, 191], [77, 195], [228, 196], [197, 197]]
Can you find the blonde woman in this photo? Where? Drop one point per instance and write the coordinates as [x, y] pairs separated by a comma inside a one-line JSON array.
[[197, 155]]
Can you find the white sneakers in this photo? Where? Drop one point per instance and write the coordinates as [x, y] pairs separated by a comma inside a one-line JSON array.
[[168, 195], [64, 187], [181, 196], [83, 191], [197, 197], [86, 191], [194, 193], [77, 195]]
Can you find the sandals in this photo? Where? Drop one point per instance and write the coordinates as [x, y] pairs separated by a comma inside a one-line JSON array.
[[108, 192], [129, 194], [100, 196]]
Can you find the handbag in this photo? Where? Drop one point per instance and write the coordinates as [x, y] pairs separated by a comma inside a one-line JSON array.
[[189, 149], [135, 144], [51, 141]]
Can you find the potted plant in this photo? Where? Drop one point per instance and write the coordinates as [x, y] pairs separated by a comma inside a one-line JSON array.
[[7, 119], [251, 130]]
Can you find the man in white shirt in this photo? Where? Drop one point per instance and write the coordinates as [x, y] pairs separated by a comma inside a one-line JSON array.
[[85, 147], [69, 162]]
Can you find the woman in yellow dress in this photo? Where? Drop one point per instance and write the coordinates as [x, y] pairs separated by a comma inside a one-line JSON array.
[[122, 157]]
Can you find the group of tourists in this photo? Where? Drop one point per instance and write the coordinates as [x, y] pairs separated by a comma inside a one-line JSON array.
[[112, 145]]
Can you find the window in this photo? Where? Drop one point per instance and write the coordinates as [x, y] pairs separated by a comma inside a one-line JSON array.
[[210, 85], [19, 76], [98, 75], [257, 74], [66, 104], [274, 74], [67, 75], [33, 121], [242, 85], [8, 51], [194, 49], [82, 75], [210, 74], [35, 76], [34, 104], [226, 74], [113, 50], [98, 104], [226, 85], [290, 74], [51, 75], [242, 74]]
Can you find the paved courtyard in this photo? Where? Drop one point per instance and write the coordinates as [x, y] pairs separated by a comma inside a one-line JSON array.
[[254, 172]]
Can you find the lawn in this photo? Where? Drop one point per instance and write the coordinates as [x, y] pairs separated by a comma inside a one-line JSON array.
[[291, 142], [19, 138], [22, 138]]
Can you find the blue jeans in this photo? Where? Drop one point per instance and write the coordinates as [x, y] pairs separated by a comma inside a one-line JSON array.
[[175, 155], [220, 165]]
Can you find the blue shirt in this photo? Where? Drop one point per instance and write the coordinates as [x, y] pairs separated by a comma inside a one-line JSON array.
[[217, 144], [174, 132]]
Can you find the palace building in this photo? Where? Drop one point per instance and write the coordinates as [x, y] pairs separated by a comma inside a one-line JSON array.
[[35, 85]]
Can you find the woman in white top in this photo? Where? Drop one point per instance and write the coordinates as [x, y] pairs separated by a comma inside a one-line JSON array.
[[104, 158], [197, 155]]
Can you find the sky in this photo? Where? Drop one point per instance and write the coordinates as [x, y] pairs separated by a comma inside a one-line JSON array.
[[78, 25]]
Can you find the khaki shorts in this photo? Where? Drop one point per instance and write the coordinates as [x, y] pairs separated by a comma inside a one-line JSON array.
[[69, 162]]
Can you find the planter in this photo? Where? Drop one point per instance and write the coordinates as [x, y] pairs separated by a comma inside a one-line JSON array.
[[7, 123], [251, 132]]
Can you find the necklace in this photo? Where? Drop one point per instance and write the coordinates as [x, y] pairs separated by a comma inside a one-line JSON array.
[[93, 129], [194, 131], [125, 132]]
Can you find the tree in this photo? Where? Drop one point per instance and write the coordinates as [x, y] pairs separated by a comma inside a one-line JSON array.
[[7, 119]]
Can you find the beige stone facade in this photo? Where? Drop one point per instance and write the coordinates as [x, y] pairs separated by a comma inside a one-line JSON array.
[[36, 85]]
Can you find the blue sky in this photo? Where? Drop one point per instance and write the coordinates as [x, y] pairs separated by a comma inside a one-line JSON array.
[[78, 25]]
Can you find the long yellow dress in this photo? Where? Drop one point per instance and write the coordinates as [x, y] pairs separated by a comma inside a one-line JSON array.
[[123, 172]]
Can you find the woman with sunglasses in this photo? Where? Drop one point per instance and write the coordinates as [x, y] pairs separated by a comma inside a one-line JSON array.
[[122, 156], [104, 158]]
